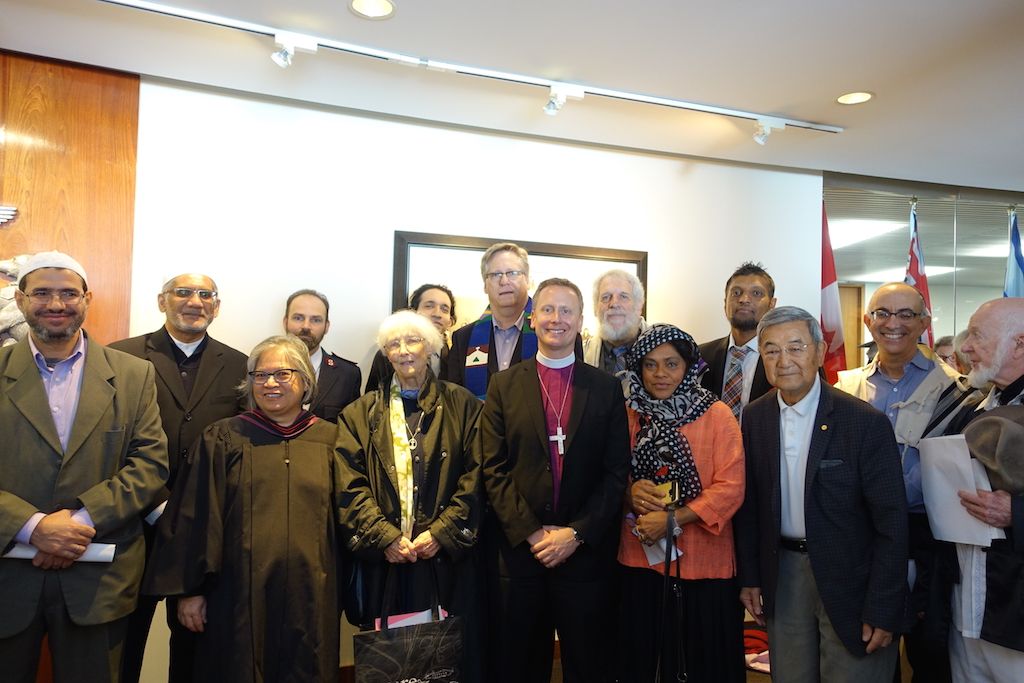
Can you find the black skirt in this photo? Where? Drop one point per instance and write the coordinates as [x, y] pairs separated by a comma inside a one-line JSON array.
[[709, 625]]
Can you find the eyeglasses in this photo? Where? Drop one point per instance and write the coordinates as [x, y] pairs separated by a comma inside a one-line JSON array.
[[411, 343], [904, 315], [189, 292], [950, 359], [510, 275], [794, 351], [45, 296], [282, 376]]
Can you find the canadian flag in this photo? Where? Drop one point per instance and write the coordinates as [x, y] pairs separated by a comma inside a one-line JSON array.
[[916, 276], [831, 313]]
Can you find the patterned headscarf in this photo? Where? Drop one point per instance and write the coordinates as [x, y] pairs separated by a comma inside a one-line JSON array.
[[661, 453]]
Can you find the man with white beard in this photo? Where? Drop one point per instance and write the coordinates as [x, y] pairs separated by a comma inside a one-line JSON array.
[[619, 301], [986, 641]]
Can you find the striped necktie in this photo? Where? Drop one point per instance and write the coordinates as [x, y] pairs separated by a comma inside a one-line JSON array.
[[732, 391]]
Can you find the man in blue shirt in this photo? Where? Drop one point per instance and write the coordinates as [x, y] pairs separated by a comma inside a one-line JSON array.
[[919, 394]]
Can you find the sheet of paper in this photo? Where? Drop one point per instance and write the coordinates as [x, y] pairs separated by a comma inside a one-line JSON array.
[[656, 553], [94, 552], [411, 618], [947, 467]]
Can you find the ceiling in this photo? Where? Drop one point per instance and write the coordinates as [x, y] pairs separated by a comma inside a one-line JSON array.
[[947, 74]]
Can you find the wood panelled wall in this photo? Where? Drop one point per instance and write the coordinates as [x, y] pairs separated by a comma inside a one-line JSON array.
[[68, 137]]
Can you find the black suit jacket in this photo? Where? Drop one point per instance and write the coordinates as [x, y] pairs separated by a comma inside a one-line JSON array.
[[517, 469], [214, 395], [336, 387], [855, 511], [716, 354]]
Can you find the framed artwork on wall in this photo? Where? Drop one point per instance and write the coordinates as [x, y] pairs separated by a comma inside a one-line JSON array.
[[454, 261]]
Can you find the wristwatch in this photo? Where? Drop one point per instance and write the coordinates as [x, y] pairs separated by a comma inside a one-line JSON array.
[[576, 535]]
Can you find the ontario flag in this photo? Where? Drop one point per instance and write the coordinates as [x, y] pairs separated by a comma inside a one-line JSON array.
[[831, 312], [916, 276]]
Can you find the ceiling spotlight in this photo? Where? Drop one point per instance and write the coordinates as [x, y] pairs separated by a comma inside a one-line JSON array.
[[372, 9], [764, 129], [283, 57], [854, 98], [289, 43], [558, 94]]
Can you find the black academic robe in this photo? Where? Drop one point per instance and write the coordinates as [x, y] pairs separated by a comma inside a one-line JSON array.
[[251, 526]]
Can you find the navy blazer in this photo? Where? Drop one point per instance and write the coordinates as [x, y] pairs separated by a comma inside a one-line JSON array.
[[715, 354], [855, 511], [517, 469]]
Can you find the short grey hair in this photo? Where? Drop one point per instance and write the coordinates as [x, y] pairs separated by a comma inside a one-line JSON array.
[[298, 357], [169, 285], [634, 282], [789, 314], [504, 246], [405, 322]]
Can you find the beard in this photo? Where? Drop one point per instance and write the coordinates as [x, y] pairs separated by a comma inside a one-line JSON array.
[[980, 376], [626, 332], [743, 324], [309, 339], [47, 335]]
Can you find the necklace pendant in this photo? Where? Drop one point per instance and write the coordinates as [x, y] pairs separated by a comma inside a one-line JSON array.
[[412, 444]]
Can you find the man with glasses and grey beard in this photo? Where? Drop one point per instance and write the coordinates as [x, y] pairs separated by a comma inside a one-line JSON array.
[[83, 457], [197, 379], [619, 302]]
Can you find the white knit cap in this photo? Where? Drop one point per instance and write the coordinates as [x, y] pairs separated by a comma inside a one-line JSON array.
[[52, 259]]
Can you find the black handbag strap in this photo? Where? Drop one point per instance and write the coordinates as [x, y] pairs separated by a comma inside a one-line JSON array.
[[389, 595], [671, 607]]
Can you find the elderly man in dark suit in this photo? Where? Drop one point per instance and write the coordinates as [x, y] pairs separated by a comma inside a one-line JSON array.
[[735, 371], [197, 384], [822, 533], [307, 316], [555, 461], [83, 457]]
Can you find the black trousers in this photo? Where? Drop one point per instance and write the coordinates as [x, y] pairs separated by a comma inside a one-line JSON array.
[[525, 614]]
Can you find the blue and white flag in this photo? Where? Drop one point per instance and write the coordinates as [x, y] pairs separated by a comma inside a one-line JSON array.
[[1014, 283]]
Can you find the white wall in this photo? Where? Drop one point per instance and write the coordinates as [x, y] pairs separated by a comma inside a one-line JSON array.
[[270, 196]]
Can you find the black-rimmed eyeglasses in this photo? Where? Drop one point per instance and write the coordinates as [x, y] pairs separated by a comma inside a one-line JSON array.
[[904, 315]]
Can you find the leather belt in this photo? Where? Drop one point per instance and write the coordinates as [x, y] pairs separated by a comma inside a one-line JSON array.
[[796, 545]]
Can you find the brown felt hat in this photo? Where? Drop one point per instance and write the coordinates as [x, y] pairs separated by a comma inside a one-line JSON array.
[[996, 439]]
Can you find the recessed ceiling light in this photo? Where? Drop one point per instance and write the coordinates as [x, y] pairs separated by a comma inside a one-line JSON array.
[[372, 9], [854, 98], [844, 232]]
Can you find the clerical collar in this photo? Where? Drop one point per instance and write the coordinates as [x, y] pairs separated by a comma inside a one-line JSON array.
[[556, 363], [187, 348]]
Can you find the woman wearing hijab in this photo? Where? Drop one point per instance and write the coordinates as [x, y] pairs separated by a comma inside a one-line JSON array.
[[248, 537], [686, 482]]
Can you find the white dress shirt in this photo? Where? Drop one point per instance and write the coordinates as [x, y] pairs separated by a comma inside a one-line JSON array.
[[796, 424]]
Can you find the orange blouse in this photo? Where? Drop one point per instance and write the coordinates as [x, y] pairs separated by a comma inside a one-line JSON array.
[[707, 544]]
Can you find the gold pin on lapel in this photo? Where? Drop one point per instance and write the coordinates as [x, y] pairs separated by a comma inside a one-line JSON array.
[[824, 428]]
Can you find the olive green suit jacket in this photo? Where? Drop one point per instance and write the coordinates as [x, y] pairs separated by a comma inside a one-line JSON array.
[[114, 465]]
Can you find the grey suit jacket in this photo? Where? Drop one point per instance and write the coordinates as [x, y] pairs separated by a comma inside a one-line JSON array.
[[855, 512], [114, 465]]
